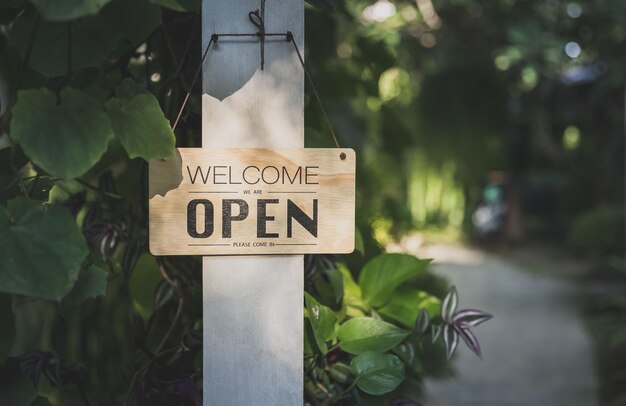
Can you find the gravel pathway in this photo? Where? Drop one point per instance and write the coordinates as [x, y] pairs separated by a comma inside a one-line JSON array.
[[536, 351]]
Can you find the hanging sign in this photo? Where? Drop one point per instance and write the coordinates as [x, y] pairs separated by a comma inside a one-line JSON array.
[[252, 201]]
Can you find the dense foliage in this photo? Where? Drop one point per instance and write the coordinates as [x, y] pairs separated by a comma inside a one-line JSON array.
[[438, 94], [382, 335]]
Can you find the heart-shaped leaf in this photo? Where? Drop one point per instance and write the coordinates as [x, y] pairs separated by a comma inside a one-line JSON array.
[[67, 139], [368, 334], [64, 10], [128, 88], [92, 282], [377, 373], [93, 39], [141, 127], [382, 275], [41, 249], [322, 320]]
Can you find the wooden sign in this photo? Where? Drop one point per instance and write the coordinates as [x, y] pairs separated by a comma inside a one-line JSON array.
[[252, 201]]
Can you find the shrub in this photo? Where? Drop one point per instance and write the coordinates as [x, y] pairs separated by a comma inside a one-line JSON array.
[[599, 231]]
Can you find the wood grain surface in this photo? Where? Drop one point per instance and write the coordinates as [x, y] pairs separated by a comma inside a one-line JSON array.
[[206, 201]]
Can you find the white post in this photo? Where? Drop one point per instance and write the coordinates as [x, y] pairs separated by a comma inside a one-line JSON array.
[[253, 325]]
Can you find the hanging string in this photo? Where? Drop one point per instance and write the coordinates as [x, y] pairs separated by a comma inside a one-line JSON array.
[[290, 38], [213, 39], [257, 20]]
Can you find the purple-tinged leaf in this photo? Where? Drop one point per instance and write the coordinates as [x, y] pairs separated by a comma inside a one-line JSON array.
[[449, 305], [450, 340], [467, 318], [422, 322], [470, 340], [436, 330]]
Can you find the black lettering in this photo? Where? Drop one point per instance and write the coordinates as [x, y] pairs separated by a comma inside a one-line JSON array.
[[286, 175], [265, 179], [227, 216], [244, 175], [215, 175], [230, 177], [263, 218], [198, 169], [208, 218], [307, 174], [294, 212]]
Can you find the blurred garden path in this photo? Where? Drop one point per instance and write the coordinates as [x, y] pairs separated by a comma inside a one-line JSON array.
[[535, 351]]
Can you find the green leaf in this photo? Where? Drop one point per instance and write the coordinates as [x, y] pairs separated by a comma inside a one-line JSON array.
[[359, 245], [134, 19], [308, 338], [179, 5], [64, 10], [62, 191], [367, 334], [93, 39], [129, 88], [91, 283], [7, 332], [382, 275], [328, 284], [355, 305], [142, 128], [405, 306], [66, 140], [377, 373], [143, 284], [41, 250], [322, 320]]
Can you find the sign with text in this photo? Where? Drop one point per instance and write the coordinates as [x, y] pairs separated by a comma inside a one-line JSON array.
[[252, 201]]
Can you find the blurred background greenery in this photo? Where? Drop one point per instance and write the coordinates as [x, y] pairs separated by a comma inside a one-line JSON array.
[[496, 124]]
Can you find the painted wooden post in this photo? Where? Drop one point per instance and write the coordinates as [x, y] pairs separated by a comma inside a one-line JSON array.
[[253, 326]]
